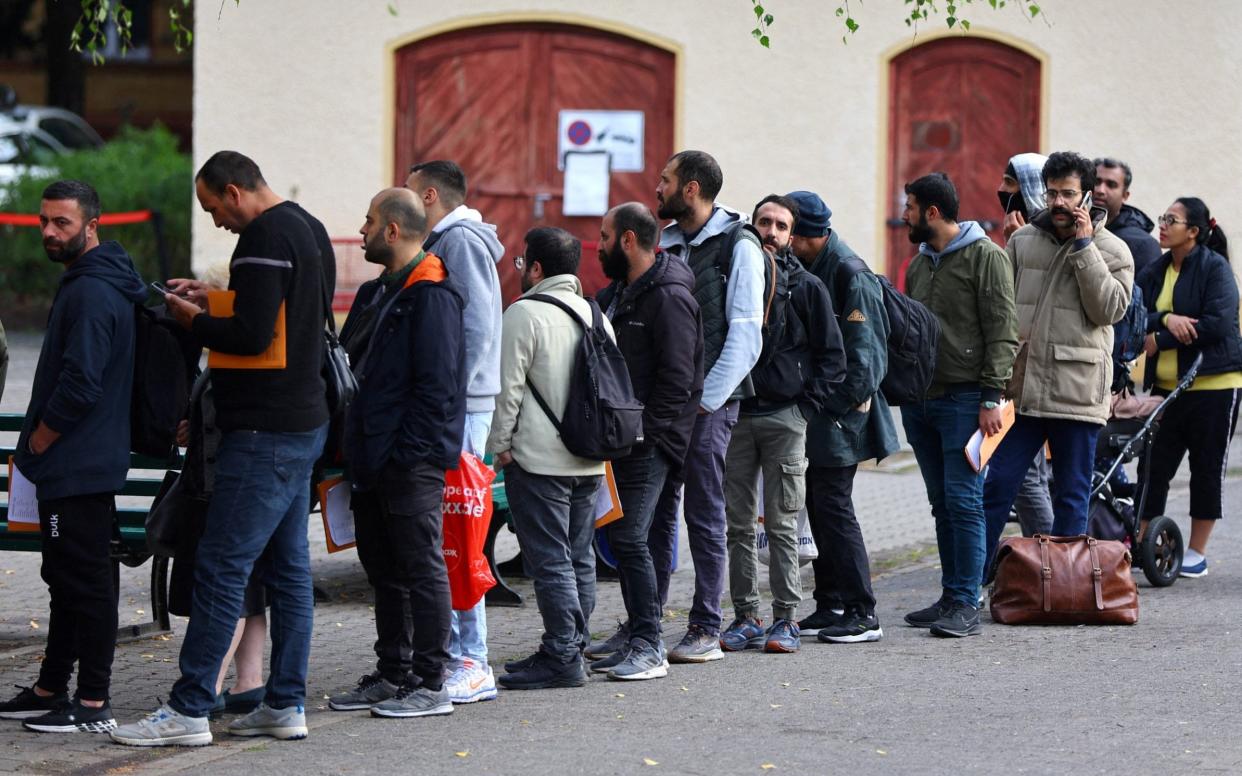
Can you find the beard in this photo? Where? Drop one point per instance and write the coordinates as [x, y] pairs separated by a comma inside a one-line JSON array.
[[674, 207], [527, 283], [376, 251], [772, 244], [920, 232], [65, 252], [615, 263]]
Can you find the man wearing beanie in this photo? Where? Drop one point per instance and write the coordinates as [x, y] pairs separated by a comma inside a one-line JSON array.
[[854, 425]]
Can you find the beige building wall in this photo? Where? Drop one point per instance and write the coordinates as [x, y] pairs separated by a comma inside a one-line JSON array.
[[306, 89]]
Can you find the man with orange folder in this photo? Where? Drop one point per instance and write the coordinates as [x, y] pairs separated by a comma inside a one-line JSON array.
[[274, 422]]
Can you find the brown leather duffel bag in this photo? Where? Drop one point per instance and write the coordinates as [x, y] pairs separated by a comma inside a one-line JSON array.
[[1070, 580]]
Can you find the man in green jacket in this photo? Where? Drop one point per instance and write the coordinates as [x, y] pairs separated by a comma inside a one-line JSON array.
[[855, 425], [966, 281]]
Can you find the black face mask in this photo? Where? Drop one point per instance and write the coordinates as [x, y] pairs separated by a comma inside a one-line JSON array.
[[1013, 202]]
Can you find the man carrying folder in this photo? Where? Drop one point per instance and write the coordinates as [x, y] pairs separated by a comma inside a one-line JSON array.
[[274, 423]]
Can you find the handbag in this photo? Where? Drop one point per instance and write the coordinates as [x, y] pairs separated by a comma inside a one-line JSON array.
[[341, 384], [1063, 580], [163, 523]]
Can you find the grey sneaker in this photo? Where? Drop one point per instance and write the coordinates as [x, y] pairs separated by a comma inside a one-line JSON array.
[[606, 664], [288, 724], [618, 640], [697, 646], [411, 701], [371, 689], [642, 661], [164, 727]]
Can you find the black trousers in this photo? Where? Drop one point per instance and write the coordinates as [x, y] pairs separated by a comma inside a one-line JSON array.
[[842, 571], [1200, 423], [400, 543], [77, 535]]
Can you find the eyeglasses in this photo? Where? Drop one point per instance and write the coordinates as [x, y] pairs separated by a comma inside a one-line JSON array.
[[1069, 195], [1168, 220], [519, 262]]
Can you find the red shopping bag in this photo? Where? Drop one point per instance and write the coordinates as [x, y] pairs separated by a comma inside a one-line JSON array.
[[467, 509]]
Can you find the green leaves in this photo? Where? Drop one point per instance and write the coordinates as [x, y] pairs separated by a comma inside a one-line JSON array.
[[763, 20]]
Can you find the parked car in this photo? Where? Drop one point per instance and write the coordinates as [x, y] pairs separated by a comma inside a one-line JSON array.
[[62, 130]]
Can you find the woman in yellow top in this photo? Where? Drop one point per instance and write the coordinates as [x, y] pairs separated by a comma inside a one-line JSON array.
[[1192, 303]]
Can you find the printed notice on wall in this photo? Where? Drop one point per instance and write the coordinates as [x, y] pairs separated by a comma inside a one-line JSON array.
[[23, 512], [586, 184], [619, 132]]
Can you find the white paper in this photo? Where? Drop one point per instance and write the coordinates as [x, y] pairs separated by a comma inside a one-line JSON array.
[[23, 503], [338, 517], [605, 501], [586, 184], [619, 132]]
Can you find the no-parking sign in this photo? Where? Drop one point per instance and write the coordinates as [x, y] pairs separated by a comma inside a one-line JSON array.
[[619, 132]]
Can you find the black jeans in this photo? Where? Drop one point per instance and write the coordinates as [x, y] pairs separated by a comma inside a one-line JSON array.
[[77, 536], [842, 571], [640, 480], [1200, 423], [400, 543]]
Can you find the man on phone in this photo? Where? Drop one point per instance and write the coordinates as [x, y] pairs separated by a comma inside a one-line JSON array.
[[1073, 280]]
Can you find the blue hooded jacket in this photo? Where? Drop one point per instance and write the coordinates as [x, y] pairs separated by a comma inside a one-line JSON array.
[[84, 379]]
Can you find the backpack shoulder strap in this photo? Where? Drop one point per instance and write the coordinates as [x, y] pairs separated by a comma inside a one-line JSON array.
[[549, 299]]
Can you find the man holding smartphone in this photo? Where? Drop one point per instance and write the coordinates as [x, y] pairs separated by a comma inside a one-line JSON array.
[[1072, 283]]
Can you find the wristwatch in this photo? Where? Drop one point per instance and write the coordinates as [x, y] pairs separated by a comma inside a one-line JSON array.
[[989, 405]]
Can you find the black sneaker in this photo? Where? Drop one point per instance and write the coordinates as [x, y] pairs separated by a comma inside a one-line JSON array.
[[606, 664], [960, 620], [854, 627], [925, 618], [513, 666], [543, 673], [370, 690], [619, 640], [74, 718], [821, 618], [27, 704]]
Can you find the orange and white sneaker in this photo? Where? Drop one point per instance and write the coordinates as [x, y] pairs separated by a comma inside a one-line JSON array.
[[471, 681]]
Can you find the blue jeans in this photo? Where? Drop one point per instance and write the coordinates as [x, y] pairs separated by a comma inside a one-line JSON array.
[[260, 502], [640, 479], [469, 628], [1072, 443], [938, 430]]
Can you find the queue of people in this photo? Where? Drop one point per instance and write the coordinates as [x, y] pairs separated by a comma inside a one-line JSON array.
[[757, 346]]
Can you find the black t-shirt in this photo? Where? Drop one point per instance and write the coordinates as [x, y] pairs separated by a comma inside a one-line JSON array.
[[283, 255]]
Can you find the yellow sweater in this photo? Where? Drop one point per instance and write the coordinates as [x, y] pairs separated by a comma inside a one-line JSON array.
[[1166, 366]]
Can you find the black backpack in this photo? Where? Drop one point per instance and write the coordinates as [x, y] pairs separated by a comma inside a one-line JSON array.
[[603, 419], [165, 363], [913, 336], [1128, 336]]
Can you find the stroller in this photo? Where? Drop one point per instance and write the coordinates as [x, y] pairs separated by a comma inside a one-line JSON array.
[[1114, 513]]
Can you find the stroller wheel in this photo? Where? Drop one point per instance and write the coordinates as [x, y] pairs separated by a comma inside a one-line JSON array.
[[1161, 551]]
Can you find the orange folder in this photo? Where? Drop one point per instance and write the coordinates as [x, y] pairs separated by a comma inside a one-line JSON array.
[[220, 305], [980, 448]]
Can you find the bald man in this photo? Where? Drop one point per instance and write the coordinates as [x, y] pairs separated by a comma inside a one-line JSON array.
[[402, 432]]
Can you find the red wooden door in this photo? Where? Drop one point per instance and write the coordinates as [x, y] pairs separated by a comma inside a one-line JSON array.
[[961, 106], [489, 98]]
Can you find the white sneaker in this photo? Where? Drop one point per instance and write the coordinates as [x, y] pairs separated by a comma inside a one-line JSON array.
[[471, 681], [164, 727]]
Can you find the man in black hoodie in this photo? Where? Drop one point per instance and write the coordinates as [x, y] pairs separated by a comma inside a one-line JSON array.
[[659, 330], [1112, 188], [74, 447]]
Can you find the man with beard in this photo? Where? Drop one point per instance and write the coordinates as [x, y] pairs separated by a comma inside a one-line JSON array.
[[967, 282], [402, 431], [551, 491], [1112, 192], [801, 364], [855, 425], [74, 447], [727, 262], [1073, 281], [274, 424], [660, 332]]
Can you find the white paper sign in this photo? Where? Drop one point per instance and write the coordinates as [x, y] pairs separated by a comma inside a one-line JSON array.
[[338, 518], [619, 132], [23, 512], [586, 184]]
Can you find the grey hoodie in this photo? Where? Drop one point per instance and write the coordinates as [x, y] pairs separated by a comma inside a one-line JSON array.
[[970, 232], [470, 251]]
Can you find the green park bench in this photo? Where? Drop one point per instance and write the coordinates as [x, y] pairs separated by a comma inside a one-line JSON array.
[[129, 543]]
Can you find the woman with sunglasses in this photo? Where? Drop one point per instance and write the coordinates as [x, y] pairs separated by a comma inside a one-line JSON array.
[[1192, 304]]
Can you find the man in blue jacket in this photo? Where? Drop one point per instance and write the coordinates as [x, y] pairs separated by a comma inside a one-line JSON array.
[[74, 447], [402, 431]]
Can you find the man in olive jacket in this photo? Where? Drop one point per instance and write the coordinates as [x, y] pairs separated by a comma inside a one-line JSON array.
[[1073, 282], [855, 425], [966, 281]]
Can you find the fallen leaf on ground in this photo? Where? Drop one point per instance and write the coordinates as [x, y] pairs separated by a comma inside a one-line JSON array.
[[880, 751], [775, 705], [463, 754], [767, 766], [784, 684], [619, 695], [649, 761], [34, 624]]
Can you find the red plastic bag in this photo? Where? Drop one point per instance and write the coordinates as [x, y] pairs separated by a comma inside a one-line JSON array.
[[467, 510]]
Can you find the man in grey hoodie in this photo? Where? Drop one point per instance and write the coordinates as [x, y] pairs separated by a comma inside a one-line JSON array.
[[470, 250]]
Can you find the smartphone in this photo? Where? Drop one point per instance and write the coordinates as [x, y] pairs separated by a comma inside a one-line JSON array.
[[1086, 201], [160, 288]]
